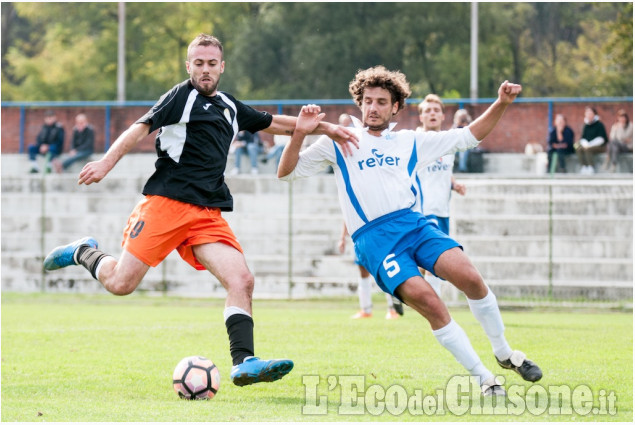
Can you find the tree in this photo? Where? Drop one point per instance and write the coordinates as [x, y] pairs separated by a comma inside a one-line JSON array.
[[67, 51]]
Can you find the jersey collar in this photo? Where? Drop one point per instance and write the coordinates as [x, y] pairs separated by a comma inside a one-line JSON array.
[[358, 124]]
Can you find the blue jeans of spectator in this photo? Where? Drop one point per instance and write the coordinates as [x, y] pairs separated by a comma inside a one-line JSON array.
[[34, 151], [275, 153], [251, 149], [78, 156], [463, 156]]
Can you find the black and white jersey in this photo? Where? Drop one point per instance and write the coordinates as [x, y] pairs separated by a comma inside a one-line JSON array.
[[193, 143]]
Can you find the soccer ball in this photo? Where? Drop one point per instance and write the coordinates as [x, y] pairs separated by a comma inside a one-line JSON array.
[[196, 378]]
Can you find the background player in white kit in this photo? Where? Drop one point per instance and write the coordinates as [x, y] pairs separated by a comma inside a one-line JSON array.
[[375, 188], [435, 181]]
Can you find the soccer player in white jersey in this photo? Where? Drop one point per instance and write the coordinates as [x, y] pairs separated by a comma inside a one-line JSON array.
[[435, 181], [365, 281], [375, 188]]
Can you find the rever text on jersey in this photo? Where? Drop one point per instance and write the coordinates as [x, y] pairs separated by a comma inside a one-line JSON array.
[[378, 160]]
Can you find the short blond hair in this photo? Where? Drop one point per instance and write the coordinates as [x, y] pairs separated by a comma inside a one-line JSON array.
[[431, 98], [204, 40]]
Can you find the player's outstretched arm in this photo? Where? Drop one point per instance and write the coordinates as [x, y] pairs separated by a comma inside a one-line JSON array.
[[308, 119], [284, 124], [343, 136], [95, 171], [484, 124]]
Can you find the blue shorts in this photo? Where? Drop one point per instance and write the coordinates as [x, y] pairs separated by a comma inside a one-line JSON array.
[[443, 223], [393, 247], [356, 259]]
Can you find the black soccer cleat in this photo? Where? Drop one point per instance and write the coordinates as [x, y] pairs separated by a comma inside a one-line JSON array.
[[397, 305], [519, 363]]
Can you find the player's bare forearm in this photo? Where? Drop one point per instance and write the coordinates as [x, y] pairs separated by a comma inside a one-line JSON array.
[[284, 124], [484, 124], [308, 119], [343, 136], [95, 171], [281, 124], [290, 154]]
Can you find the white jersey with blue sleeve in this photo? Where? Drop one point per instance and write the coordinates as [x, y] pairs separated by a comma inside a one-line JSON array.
[[434, 186], [379, 177]]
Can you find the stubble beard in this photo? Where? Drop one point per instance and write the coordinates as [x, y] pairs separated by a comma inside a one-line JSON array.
[[380, 127], [204, 92]]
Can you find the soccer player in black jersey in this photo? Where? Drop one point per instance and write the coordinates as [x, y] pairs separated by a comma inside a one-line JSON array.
[[185, 196]]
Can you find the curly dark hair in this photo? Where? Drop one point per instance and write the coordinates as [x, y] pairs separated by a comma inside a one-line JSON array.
[[378, 76]]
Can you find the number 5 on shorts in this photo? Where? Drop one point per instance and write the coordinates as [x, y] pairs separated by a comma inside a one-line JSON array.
[[391, 267]]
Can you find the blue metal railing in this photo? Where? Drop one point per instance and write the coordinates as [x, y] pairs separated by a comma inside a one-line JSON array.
[[281, 103]]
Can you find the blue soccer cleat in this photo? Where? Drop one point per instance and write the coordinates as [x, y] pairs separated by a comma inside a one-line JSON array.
[[64, 255], [253, 370]]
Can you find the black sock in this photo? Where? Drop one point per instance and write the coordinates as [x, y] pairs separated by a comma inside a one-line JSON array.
[[90, 258], [240, 329]]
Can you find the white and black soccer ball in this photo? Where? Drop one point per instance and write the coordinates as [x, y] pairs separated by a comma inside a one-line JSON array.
[[196, 378]]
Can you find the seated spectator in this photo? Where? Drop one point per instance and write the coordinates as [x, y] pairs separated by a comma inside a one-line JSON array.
[[82, 144], [49, 142], [593, 140], [559, 144], [247, 143], [462, 119], [620, 140], [274, 148]]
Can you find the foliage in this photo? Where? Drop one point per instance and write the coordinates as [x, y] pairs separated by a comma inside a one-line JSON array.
[[68, 51]]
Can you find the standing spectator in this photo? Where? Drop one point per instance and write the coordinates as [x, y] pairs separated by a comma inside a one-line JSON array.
[[462, 119], [82, 143], [620, 140], [593, 140], [49, 141], [560, 143], [247, 143]]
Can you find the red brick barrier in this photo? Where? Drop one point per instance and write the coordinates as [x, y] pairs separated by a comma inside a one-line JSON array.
[[523, 122]]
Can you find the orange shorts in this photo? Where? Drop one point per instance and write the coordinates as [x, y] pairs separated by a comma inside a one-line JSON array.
[[158, 225]]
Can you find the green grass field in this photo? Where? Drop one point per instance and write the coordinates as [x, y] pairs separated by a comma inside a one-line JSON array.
[[103, 358]]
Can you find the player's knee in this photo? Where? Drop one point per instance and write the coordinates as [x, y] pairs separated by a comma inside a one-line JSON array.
[[121, 288], [474, 278], [473, 285], [242, 282]]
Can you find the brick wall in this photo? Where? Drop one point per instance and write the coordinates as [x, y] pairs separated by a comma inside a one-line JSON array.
[[522, 123]]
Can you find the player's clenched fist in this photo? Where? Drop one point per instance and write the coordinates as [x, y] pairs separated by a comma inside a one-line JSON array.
[[507, 92]]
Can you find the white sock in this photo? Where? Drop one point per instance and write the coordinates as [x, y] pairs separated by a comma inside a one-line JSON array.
[[454, 339], [389, 301], [101, 263], [231, 310], [363, 291], [435, 282], [488, 314]]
